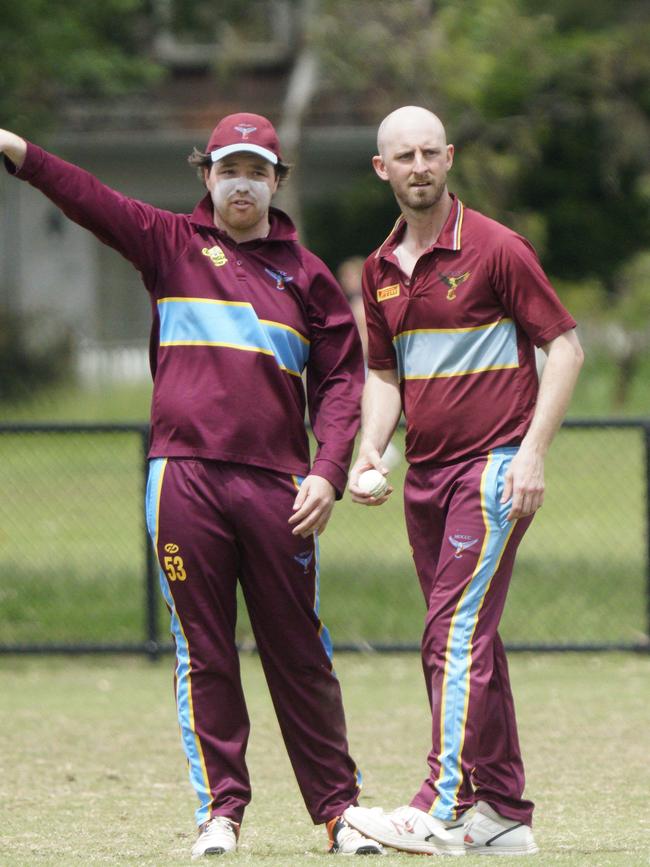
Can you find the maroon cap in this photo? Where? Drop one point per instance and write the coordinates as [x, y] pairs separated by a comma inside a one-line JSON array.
[[244, 132]]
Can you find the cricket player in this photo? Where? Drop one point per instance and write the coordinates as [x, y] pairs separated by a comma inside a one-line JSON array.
[[455, 305], [240, 311]]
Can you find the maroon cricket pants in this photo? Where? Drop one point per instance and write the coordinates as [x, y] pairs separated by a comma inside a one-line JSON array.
[[464, 550], [213, 524]]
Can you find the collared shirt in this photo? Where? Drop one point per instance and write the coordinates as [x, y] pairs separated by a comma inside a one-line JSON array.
[[234, 328], [461, 332]]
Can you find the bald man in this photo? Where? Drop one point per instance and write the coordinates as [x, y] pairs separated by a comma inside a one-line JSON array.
[[455, 305]]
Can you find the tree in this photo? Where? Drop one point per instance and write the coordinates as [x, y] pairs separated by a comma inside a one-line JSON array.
[[52, 50], [549, 110]]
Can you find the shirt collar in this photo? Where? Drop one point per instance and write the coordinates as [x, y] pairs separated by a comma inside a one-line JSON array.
[[450, 237], [282, 228]]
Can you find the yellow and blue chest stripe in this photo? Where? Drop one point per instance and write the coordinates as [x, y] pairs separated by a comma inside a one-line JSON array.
[[434, 353], [231, 324]]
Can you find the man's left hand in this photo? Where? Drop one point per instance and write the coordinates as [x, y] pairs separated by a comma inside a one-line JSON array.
[[312, 507], [524, 483]]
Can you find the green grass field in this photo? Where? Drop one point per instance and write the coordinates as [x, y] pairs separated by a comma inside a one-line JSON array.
[[92, 769], [594, 397], [72, 548]]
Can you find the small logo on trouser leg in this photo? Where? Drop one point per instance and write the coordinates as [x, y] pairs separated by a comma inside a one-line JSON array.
[[461, 543], [304, 559], [173, 563]]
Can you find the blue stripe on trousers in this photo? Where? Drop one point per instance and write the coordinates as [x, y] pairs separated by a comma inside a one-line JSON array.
[[191, 747]]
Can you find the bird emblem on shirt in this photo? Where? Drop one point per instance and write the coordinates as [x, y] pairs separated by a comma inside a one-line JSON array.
[[281, 278], [453, 283]]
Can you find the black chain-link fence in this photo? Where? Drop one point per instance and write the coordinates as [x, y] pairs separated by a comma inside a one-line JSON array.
[[76, 571]]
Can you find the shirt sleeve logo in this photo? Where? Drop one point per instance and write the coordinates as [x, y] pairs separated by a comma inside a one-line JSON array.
[[453, 283], [387, 292], [216, 255]]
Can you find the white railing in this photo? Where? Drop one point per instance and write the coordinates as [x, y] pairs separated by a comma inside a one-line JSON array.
[[120, 364]]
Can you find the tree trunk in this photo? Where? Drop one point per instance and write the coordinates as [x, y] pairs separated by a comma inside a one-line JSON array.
[[303, 84]]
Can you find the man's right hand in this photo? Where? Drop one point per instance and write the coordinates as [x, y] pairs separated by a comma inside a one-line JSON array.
[[13, 147], [369, 459]]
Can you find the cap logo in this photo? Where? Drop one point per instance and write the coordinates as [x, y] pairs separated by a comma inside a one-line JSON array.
[[244, 132], [245, 129]]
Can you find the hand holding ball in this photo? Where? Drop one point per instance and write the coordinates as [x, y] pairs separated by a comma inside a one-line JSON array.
[[372, 482]]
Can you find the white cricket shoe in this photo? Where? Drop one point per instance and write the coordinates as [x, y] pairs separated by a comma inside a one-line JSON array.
[[488, 833], [217, 836], [409, 830], [346, 840]]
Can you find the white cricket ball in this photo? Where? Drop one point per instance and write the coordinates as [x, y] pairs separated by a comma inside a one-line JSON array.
[[372, 482]]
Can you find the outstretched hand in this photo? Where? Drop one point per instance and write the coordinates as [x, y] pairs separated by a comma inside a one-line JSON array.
[[13, 147]]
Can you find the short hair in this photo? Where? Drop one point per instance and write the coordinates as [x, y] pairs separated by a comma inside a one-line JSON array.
[[200, 160]]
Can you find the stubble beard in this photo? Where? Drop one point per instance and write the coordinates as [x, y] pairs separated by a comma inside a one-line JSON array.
[[239, 221], [257, 193], [423, 198]]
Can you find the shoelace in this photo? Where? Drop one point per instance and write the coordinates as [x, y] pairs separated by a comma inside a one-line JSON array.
[[218, 823], [348, 834]]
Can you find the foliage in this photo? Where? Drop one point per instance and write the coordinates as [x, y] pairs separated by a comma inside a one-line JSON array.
[[339, 229], [50, 49], [372, 51], [634, 293], [549, 108], [28, 364], [593, 131], [197, 19]]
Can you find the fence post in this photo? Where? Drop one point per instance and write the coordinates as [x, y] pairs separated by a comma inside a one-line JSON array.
[[152, 646]]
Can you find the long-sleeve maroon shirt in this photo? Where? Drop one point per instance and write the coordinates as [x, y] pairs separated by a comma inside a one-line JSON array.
[[234, 327]]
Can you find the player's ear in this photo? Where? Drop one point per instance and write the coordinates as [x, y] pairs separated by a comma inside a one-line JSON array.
[[450, 156], [379, 167]]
